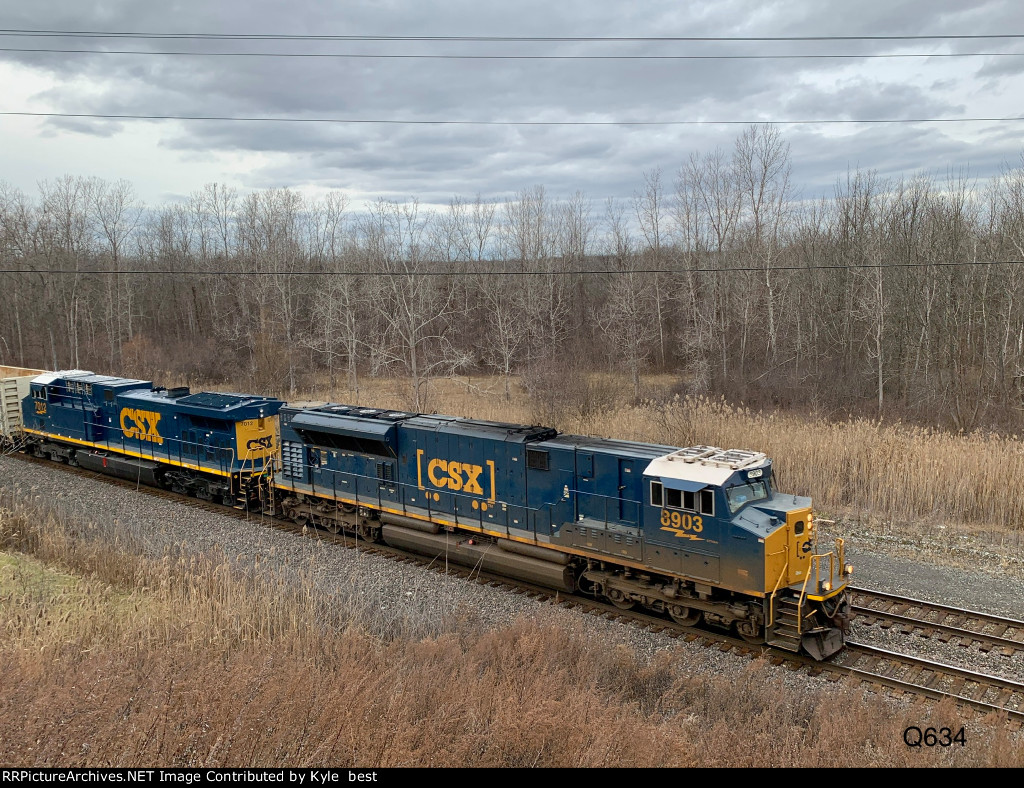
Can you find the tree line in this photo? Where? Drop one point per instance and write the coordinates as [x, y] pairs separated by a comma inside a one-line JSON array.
[[717, 272]]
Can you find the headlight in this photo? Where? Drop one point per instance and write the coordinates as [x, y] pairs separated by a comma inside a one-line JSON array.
[[826, 586], [849, 569]]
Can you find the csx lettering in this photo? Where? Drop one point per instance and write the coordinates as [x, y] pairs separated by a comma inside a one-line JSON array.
[[140, 424], [460, 476], [260, 443]]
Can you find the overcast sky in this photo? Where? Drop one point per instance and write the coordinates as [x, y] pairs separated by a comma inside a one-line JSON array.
[[165, 160]]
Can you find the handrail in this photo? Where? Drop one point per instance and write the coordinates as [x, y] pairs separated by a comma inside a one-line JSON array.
[[771, 599], [815, 569]]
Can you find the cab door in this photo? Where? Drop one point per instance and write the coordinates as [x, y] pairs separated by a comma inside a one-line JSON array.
[[629, 508], [801, 544]]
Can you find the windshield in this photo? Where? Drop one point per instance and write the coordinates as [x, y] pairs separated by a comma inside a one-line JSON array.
[[745, 493]]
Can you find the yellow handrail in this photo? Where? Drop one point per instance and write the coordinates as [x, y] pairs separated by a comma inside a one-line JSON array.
[[771, 599], [815, 568]]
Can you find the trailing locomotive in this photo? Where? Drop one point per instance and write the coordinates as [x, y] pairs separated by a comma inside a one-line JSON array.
[[211, 445], [698, 533]]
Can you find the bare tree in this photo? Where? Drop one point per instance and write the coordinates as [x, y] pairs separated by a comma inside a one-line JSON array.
[[649, 206], [338, 322], [762, 170], [413, 307], [629, 319], [117, 214]]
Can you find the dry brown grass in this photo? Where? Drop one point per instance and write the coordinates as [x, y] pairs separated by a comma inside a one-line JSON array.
[[890, 470], [107, 658]]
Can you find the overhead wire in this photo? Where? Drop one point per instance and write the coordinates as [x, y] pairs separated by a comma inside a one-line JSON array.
[[95, 34], [564, 272], [489, 39], [374, 56], [450, 122]]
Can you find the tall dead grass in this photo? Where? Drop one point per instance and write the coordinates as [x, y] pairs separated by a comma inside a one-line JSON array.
[[891, 470], [193, 660]]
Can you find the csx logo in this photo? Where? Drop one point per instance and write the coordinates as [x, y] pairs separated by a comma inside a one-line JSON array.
[[256, 444], [140, 424], [455, 476]]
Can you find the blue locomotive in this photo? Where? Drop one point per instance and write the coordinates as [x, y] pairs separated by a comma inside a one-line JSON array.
[[210, 445], [697, 533]]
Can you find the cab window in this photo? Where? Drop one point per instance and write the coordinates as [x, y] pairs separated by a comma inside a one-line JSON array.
[[676, 499], [707, 502], [742, 494]]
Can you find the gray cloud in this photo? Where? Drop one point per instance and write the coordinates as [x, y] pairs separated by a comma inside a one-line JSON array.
[[434, 162]]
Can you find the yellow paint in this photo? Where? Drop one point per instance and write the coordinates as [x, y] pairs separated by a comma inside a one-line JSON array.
[[832, 593], [117, 450], [141, 425], [776, 560], [682, 524], [453, 475], [256, 439], [801, 547]]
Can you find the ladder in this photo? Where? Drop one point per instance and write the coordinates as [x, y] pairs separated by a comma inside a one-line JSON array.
[[784, 631]]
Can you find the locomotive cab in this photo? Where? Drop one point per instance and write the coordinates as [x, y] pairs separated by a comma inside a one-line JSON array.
[[716, 512]]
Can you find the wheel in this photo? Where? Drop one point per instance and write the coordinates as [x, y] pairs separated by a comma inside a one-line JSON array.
[[620, 600], [685, 616], [366, 532], [331, 526], [749, 632]]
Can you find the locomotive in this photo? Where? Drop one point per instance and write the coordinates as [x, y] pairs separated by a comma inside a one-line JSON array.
[[696, 533], [210, 445]]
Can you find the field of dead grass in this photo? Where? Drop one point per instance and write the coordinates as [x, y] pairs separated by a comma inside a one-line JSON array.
[[110, 659]]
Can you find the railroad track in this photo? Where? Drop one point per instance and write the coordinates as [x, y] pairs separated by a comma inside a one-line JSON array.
[[886, 671], [966, 628], [905, 673]]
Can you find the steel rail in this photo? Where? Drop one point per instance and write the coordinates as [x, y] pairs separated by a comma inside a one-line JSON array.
[[937, 619]]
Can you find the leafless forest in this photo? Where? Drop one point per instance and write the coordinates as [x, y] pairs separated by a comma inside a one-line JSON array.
[[718, 270]]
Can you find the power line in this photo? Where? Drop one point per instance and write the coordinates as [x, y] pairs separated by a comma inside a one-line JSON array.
[[401, 122], [488, 39], [363, 56], [588, 272]]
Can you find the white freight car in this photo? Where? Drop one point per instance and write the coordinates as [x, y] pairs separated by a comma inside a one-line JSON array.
[[13, 389]]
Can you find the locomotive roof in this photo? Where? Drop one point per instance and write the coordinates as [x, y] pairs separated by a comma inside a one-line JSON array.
[[82, 376], [634, 449], [705, 465], [516, 433], [489, 429], [203, 402]]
